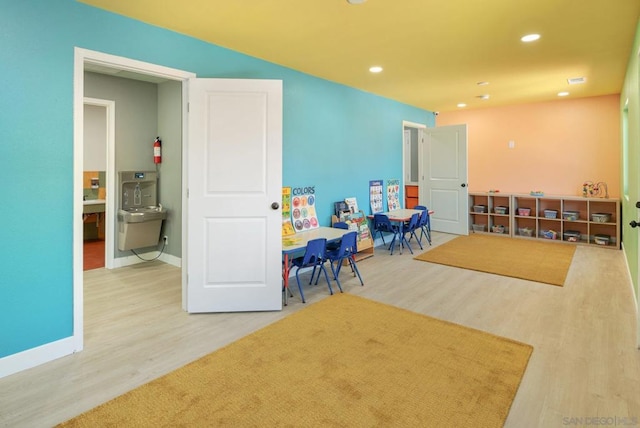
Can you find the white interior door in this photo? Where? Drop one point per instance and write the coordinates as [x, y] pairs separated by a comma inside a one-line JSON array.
[[638, 279], [234, 161], [443, 178]]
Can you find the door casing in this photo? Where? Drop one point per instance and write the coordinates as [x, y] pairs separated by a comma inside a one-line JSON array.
[[110, 207], [423, 168], [82, 57]]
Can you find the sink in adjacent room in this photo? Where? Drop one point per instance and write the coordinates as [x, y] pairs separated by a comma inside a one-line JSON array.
[[93, 206]]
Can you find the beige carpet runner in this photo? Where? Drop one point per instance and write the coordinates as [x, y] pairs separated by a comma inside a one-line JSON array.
[[344, 361], [539, 261]]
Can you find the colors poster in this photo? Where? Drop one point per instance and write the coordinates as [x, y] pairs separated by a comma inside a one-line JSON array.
[[303, 214]]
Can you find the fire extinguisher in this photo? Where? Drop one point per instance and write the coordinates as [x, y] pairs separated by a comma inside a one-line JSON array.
[[157, 150]]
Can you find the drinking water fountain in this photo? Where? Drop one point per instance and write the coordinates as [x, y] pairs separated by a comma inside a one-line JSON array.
[[140, 215]]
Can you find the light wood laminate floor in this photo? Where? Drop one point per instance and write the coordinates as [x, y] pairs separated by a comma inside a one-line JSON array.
[[585, 361]]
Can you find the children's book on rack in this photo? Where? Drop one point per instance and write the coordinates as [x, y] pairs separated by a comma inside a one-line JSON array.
[[352, 203], [341, 210], [358, 221]]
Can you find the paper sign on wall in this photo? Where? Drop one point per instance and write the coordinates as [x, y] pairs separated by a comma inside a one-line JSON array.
[[303, 212], [393, 194], [287, 226], [375, 196]]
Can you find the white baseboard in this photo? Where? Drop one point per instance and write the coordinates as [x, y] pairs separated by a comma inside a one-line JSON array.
[[133, 260], [30, 358], [171, 260]]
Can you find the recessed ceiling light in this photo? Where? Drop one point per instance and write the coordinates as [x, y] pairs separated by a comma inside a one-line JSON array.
[[483, 96], [530, 38], [375, 69], [563, 94], [356, 1], [482, 83], [461, 105]]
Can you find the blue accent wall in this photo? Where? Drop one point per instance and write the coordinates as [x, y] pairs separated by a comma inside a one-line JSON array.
[[335, 138]]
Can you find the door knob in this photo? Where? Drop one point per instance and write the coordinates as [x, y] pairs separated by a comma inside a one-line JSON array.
[[275, 206], [634, 223], [463, 185], [638, 204]]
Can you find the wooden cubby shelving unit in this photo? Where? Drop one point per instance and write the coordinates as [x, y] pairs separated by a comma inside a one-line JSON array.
[[492, 220], [573, 222]]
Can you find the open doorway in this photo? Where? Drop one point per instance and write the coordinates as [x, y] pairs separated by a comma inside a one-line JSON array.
[[98, 147], [435, 173], [411, 155], [255, 102], [96, 62]]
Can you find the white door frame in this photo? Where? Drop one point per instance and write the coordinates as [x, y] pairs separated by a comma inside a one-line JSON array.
[[407, 124], [110, 205], [82, 57]]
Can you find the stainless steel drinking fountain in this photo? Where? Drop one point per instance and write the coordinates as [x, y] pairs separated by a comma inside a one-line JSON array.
[[140, 215]]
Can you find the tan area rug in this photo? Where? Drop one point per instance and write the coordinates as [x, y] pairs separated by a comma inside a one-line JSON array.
[[342, 362], [538, 261]]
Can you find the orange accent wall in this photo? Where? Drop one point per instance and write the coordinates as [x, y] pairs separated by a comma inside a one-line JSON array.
[[557, 145]]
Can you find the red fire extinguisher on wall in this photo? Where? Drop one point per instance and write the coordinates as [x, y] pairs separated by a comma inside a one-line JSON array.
[[157, 150]]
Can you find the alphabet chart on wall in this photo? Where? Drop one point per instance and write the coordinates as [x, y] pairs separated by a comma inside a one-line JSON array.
[[375, 196]]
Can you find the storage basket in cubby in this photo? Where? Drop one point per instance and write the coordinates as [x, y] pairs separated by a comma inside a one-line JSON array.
[[498, 228], [571, 236], [571, 215], [600, 217], [525, 231]]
